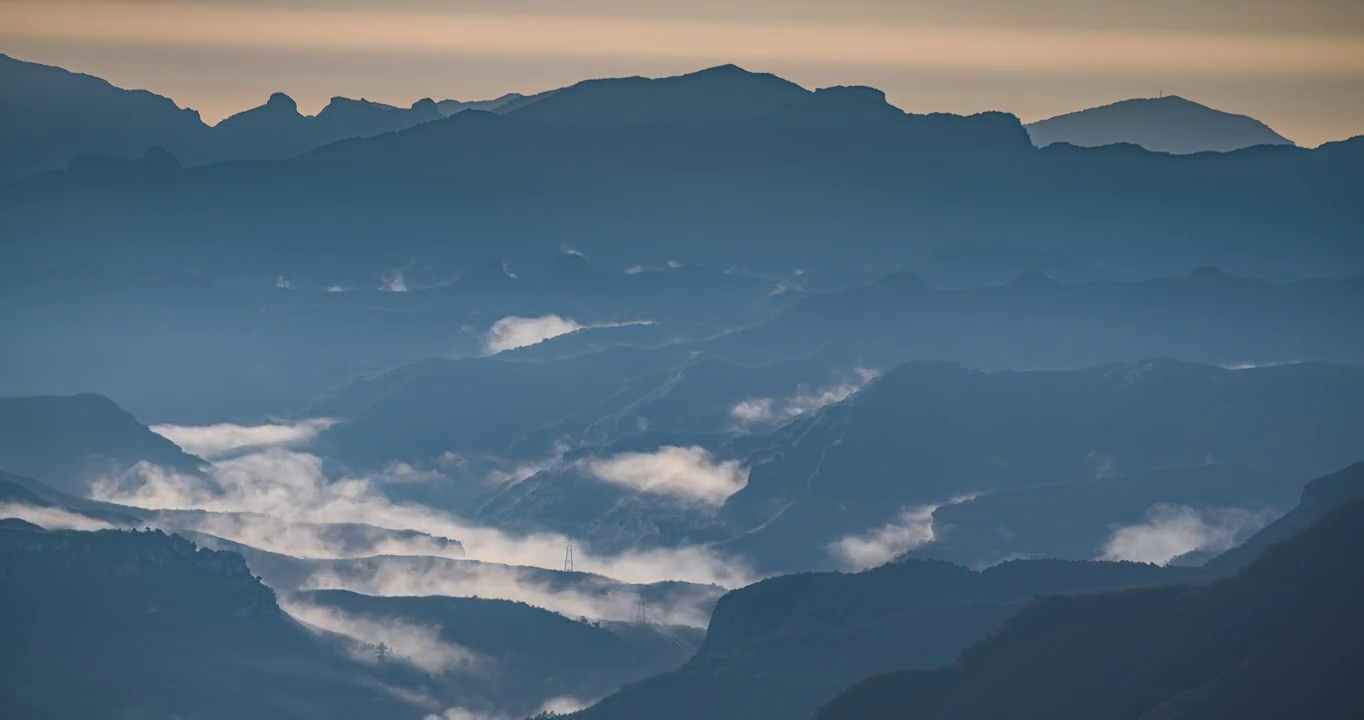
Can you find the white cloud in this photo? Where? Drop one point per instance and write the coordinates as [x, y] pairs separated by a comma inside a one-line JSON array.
[[754, 411], [392, 281], [283, 283], [415, 645], [401, 473], [767, 411], [913, 528], [563, 705], [1256, 365], [292, 486], [212, 441], [513, 332], [1173, 530], [687, 473], [52, 518], [560, 705]]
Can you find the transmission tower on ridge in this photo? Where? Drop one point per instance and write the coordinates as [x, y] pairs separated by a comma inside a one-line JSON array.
[[568, 554], [640, 616]]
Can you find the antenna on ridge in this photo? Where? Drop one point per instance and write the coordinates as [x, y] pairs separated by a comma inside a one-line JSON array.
[[640, 616], [568, 554]]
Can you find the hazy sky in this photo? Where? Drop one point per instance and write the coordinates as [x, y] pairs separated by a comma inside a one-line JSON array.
[[1296, 64]]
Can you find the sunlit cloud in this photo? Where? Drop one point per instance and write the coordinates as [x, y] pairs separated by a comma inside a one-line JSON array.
[[686, 473], [513, 332]]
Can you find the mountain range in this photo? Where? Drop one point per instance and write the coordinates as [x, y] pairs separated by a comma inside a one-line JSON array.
[[697, 396], [53, 116], [763, 183]]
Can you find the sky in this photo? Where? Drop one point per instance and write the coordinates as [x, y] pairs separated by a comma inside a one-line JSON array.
[[1298, 65]]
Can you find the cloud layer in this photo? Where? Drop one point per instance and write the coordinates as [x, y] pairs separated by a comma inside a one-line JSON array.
[[51, 518], [214, 441], [292, 487], [580, 596]]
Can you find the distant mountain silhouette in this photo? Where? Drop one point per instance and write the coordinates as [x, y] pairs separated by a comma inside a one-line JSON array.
[[1168, 124], [345, 118], [720, 94], [48, 116], [51, 117], [275, 129], [1279, 639], [634, 171], [450, 107], [68, 441]]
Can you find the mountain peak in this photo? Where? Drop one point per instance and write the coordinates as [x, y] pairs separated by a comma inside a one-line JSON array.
[[1168, 123], [281, 101], [726, 69]]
